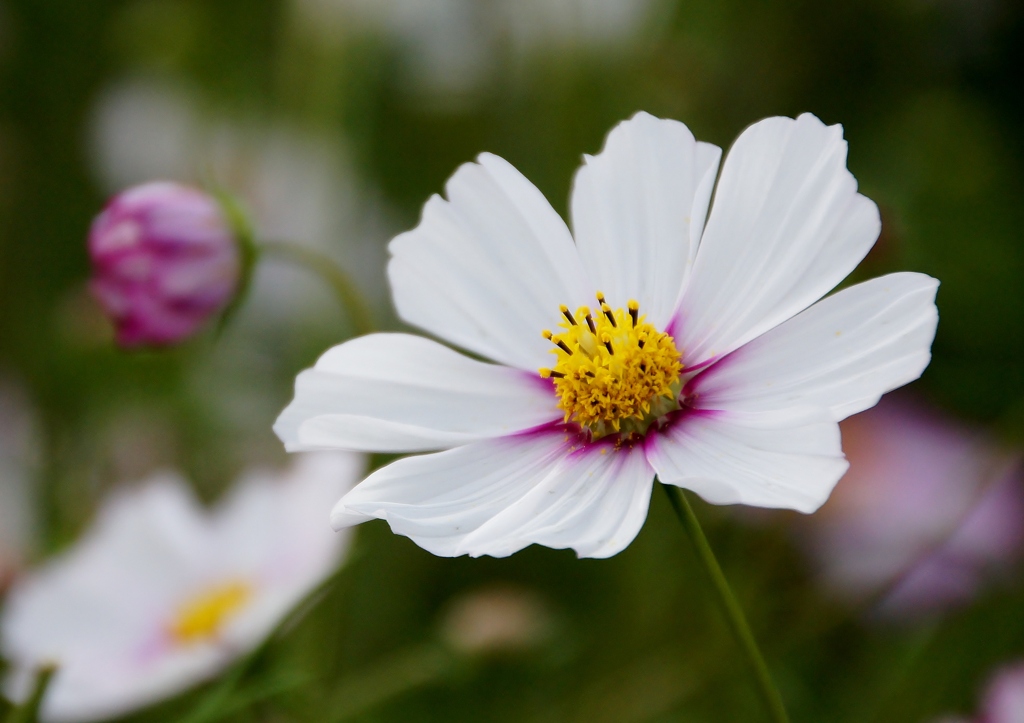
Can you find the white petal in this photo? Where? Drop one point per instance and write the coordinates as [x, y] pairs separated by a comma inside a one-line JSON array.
[[497, 496], [638, 210], [277, 534], [145, 546], [595, 501], [727, 459], [95, 607], [786, 226], [437, 499], [397, 392], [273, 525], [366, 434], [102, 609], [96, 689], [488, 268], [841, 354]]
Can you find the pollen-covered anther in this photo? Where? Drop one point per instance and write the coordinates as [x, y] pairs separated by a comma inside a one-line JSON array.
[[617, 373]]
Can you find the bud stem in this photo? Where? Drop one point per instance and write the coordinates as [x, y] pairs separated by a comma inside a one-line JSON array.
[[730, 606], [213, 705], [327, 269], [416, 667]]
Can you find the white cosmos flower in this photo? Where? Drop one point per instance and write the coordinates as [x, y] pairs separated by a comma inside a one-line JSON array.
[[721, 374], [161, 594]]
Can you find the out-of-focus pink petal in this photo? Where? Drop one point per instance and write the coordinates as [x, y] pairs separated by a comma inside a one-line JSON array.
[[1004, 699], [928, 511]]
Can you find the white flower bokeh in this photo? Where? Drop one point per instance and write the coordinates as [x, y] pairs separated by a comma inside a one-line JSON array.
[[18, 462], [296, 183], [161, 594], [452, 48]]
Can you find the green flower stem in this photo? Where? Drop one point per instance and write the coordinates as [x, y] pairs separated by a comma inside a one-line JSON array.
[[217, 703], [28, 712], [403, 672], [327, 269], [730, 606]]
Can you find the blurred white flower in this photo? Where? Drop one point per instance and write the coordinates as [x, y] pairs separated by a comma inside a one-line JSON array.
[[444, 43], [161, 594], [297, 184], [496, 619], [597, 24], [723, 370], [452, 47], [18, 452], [145, 129], [928, 510]]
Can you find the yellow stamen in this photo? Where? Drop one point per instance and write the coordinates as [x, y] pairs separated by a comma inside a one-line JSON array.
[[203, 616], [607, 310], [617, 374], [634, 310]]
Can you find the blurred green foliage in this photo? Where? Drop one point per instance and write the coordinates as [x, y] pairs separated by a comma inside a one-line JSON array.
[[932, 101]]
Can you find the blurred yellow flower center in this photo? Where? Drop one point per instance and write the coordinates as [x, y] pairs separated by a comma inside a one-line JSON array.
[[615, 372], [203, 616]]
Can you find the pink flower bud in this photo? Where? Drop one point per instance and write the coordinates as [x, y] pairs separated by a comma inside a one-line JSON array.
[[165, 259]]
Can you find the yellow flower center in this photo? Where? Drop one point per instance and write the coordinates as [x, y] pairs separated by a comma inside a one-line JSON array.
[[615, 372], [202, 617]]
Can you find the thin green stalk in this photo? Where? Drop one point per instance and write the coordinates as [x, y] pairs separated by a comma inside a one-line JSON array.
[[326, 268], [413, 668], [28, 712], [215, 705], [730, 606], [893, 683]]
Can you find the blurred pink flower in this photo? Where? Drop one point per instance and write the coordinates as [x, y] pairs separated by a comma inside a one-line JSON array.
[[1004, 699], [927, 511], [165, 259]]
